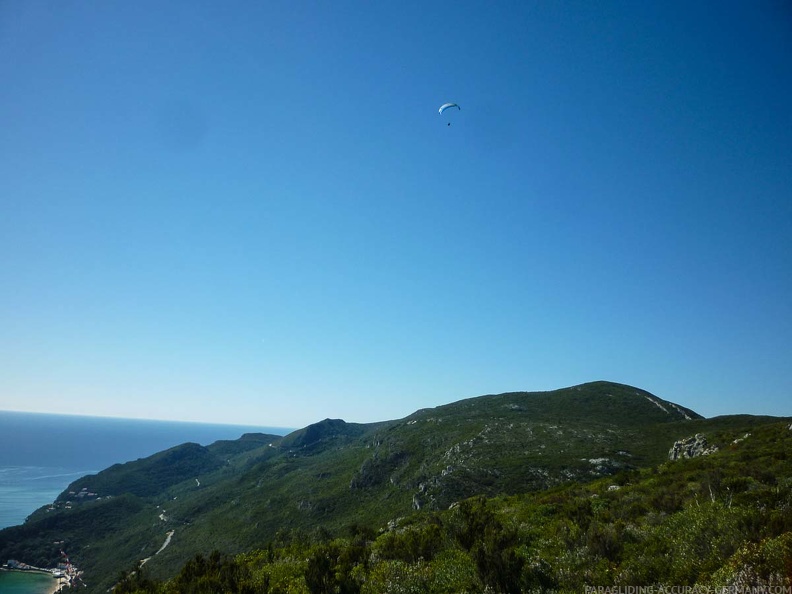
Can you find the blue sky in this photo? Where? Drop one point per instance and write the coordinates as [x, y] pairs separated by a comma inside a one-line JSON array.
[[252, 212]]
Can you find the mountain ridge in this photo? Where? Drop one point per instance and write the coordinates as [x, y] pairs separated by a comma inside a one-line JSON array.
[[237, 494]]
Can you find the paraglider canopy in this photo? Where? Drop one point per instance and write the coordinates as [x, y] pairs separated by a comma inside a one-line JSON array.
[[445, 106]]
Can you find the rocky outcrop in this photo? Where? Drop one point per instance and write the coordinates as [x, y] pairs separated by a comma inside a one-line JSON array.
[[691, 447]]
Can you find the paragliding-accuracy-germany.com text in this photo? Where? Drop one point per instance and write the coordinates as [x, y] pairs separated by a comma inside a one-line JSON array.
[[688, 589]]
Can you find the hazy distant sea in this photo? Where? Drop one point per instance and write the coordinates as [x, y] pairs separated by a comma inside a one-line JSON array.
[[40, 455]]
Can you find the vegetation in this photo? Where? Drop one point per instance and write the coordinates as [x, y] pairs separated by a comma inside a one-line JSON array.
[[507, 493], [718, 520]]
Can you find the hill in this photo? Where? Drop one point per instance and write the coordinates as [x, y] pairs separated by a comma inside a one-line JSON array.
[[716, 522], [237, 496]]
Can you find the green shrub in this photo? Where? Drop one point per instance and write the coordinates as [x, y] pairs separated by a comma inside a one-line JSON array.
[[764, 564]]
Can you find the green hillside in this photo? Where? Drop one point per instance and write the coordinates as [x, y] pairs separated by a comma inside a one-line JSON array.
[[719, 522], [238, 496]]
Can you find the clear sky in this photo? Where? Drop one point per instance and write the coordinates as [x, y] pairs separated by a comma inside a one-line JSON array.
[[252, 212]]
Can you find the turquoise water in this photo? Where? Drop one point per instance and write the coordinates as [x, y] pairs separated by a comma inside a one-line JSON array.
[[14, 582], [40, 455]]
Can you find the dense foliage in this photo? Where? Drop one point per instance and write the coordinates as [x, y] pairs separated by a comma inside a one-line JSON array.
[[719, 520]]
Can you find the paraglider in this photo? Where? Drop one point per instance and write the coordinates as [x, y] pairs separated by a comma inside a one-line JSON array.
[[445, 106]]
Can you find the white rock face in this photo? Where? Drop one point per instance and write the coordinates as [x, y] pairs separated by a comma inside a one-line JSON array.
[[691, 447]]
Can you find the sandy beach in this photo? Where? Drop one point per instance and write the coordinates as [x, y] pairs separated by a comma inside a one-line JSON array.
[[56, 585]]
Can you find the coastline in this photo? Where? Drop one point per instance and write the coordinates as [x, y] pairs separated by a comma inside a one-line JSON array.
[[53, 585], [57, 586], [39, 570]]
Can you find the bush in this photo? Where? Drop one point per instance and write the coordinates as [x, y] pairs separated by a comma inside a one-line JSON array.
[[756, 565]]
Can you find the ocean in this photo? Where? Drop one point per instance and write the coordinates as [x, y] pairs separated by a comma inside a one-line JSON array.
[[13, 582], [40, 455]]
